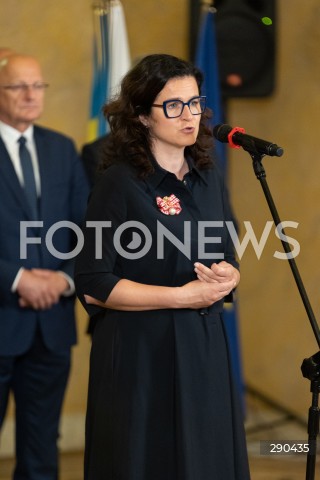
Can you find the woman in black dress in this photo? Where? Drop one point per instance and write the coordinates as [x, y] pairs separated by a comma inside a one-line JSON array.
[[155, 269]]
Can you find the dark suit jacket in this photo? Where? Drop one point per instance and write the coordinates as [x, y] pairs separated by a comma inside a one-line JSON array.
[[64, 192], [91, 155]]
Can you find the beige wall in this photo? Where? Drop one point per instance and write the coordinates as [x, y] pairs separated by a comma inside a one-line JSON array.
[[275, 331]]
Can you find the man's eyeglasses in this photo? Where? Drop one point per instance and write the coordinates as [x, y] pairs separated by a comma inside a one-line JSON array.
[[24, 87], [174, 108]]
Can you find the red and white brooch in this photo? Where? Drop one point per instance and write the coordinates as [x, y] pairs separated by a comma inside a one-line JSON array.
[[169, 205]]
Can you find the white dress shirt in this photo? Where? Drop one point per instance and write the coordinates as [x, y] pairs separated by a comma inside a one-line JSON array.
[[10, 137]]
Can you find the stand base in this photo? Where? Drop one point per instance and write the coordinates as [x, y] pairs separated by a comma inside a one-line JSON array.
[[287, 415]]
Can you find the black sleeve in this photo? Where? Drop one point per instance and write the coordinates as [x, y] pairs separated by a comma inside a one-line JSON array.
[[95, 265]]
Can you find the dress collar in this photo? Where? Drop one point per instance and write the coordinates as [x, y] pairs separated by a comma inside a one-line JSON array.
[[159, 174]]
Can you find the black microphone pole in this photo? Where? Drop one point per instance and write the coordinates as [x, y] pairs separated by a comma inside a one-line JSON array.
[[311, 366]]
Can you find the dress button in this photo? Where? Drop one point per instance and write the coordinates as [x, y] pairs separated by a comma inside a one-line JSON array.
[[185, 182]]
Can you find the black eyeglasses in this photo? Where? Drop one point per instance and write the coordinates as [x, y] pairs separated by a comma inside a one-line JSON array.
[[24, 87], [174, 108]]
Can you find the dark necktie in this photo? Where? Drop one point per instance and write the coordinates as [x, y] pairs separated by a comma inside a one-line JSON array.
[[28, 177]]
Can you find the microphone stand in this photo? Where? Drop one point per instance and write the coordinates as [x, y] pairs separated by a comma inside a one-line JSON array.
[[310, 366]]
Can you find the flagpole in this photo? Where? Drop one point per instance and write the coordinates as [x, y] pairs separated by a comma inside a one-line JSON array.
[[209, 4]]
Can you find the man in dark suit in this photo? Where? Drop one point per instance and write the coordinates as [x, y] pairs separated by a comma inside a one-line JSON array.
[[92, 155], [43, 191]]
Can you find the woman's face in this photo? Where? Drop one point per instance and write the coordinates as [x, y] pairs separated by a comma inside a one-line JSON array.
[[173, 133]]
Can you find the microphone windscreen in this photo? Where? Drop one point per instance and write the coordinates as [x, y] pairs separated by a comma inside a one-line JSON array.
[[221, 132]]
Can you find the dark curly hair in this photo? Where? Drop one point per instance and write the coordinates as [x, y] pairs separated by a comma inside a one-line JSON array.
[[130, 140]]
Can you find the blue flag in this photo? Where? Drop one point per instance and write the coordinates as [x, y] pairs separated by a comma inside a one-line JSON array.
[[111, 61], [206, 59]]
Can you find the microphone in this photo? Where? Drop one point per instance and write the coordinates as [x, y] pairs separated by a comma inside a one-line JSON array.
[[236, 137]]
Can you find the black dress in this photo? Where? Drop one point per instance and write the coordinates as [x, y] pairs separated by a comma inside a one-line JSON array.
[[162, 404]]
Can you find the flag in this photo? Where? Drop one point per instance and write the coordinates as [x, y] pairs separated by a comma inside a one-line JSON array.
[[111, 60], [206, 59]]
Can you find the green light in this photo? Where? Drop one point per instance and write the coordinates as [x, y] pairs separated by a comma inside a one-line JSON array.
[[266, 20]]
